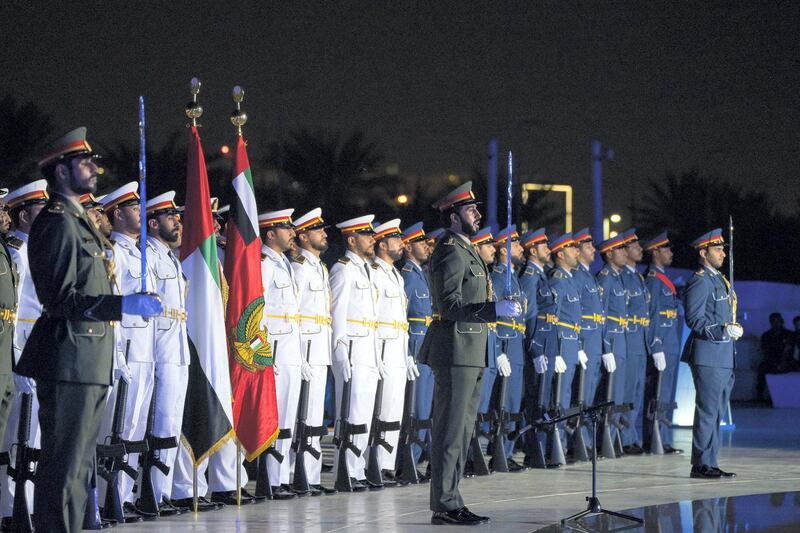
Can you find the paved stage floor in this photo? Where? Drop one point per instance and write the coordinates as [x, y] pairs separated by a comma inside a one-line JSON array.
[[764, 450]]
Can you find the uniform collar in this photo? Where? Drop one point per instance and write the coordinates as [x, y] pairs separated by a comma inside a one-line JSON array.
[[72, 204], [124, 240], [383, 264], [582, 267], [272, 254], [158, 245], [565, 271], [712, 270], [355, 258], [656, 268], [539, 269], [413, 264], [631, 269], [311, 258]]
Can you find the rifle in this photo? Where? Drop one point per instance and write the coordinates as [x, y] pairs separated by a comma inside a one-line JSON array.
[[377, 433], [578, 442], [263, 486], [303, 434], [500, 419], [112, 455], [557, 412], [23, 469], [656, 413], [409, 434], [343, 434], [151, 459]]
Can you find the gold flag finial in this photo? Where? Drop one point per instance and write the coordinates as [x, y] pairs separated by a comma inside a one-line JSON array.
[[238, 117], [193, 109]]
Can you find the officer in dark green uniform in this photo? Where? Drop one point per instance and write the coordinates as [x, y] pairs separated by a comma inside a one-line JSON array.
[[455, 349], [8, 313], [71, 347]]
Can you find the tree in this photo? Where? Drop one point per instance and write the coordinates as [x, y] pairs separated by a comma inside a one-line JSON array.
[[319, 169], [690, 204], [24, 131]]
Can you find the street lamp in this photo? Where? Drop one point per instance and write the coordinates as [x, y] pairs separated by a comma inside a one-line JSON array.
[[615, 218]]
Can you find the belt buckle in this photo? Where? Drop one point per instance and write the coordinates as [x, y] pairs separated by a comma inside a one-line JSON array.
[[428, 320]]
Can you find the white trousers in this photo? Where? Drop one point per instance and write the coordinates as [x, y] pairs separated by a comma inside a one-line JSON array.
[[170, 391], [362, 402], [287, 393], [314, 416], [394, 389], [7, 485], [221, 468]]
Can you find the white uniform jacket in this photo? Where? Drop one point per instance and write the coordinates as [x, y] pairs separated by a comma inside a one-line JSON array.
[[314, 295]]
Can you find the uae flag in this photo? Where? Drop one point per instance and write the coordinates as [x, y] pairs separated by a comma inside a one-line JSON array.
[[255, 410], [207, 417]]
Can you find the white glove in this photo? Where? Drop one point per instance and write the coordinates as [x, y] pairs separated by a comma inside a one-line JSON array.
[[660, 361], [381, 369], [503, 365], [540, 364], [344, 370], [24, 384], [734, 331], [121, 369], [509, 308], [412, 372], [582, 358], [609, 362], [306, 373], [560, 365]]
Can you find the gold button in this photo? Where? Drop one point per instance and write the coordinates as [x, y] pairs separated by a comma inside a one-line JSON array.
[[90, 330]]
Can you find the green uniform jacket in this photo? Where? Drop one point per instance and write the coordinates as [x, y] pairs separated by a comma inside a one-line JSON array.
[[460, 291], [8, 304], [73, 340]]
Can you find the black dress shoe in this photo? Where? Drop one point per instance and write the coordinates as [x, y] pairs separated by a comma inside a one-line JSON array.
[[165, 508], [130, 508], [633, 449], [481, 518], [229, 498], [253, 497], [705, 472], [203, 505], [723, 473], [514, 466], [390, 479], [281, 493], [669, 449], [372, 486], [323, 490], [456, 517], [181, 508], [358, 485]]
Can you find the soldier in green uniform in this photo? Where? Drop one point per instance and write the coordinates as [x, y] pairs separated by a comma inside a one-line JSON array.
[[455, 349], [71, 348], [8, 314]]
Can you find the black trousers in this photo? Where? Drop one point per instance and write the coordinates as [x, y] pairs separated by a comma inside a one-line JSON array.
[[456, 395], [69, 417]]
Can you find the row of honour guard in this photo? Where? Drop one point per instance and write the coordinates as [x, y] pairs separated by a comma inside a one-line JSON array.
[[582, 339]]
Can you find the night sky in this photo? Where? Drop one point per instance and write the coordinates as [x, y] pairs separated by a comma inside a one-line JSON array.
[[713, 86]]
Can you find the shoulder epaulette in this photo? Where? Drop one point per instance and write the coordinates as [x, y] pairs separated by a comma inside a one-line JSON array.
[[560, 274], [344, 260], [376, 266], [701, 272], [14, 242], [56, 207], [407, 268], [451, 241], [605, 272], [498, 269], [263, 256], [651, 273], [529, 271], [299, 258]]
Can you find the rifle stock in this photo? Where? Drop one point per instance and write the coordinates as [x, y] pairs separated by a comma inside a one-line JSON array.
[[579, 443], [556, 449], [409, 435], [303, 434], [377, 433], [23, 470], [343, 434], [151, 459]]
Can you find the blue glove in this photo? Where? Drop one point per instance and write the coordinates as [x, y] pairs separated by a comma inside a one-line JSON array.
[[143, 304], [509, 308]]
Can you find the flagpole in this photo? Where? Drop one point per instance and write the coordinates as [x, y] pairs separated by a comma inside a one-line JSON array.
[[142, 196], [194, 487], [238, 474], [509, 196]]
